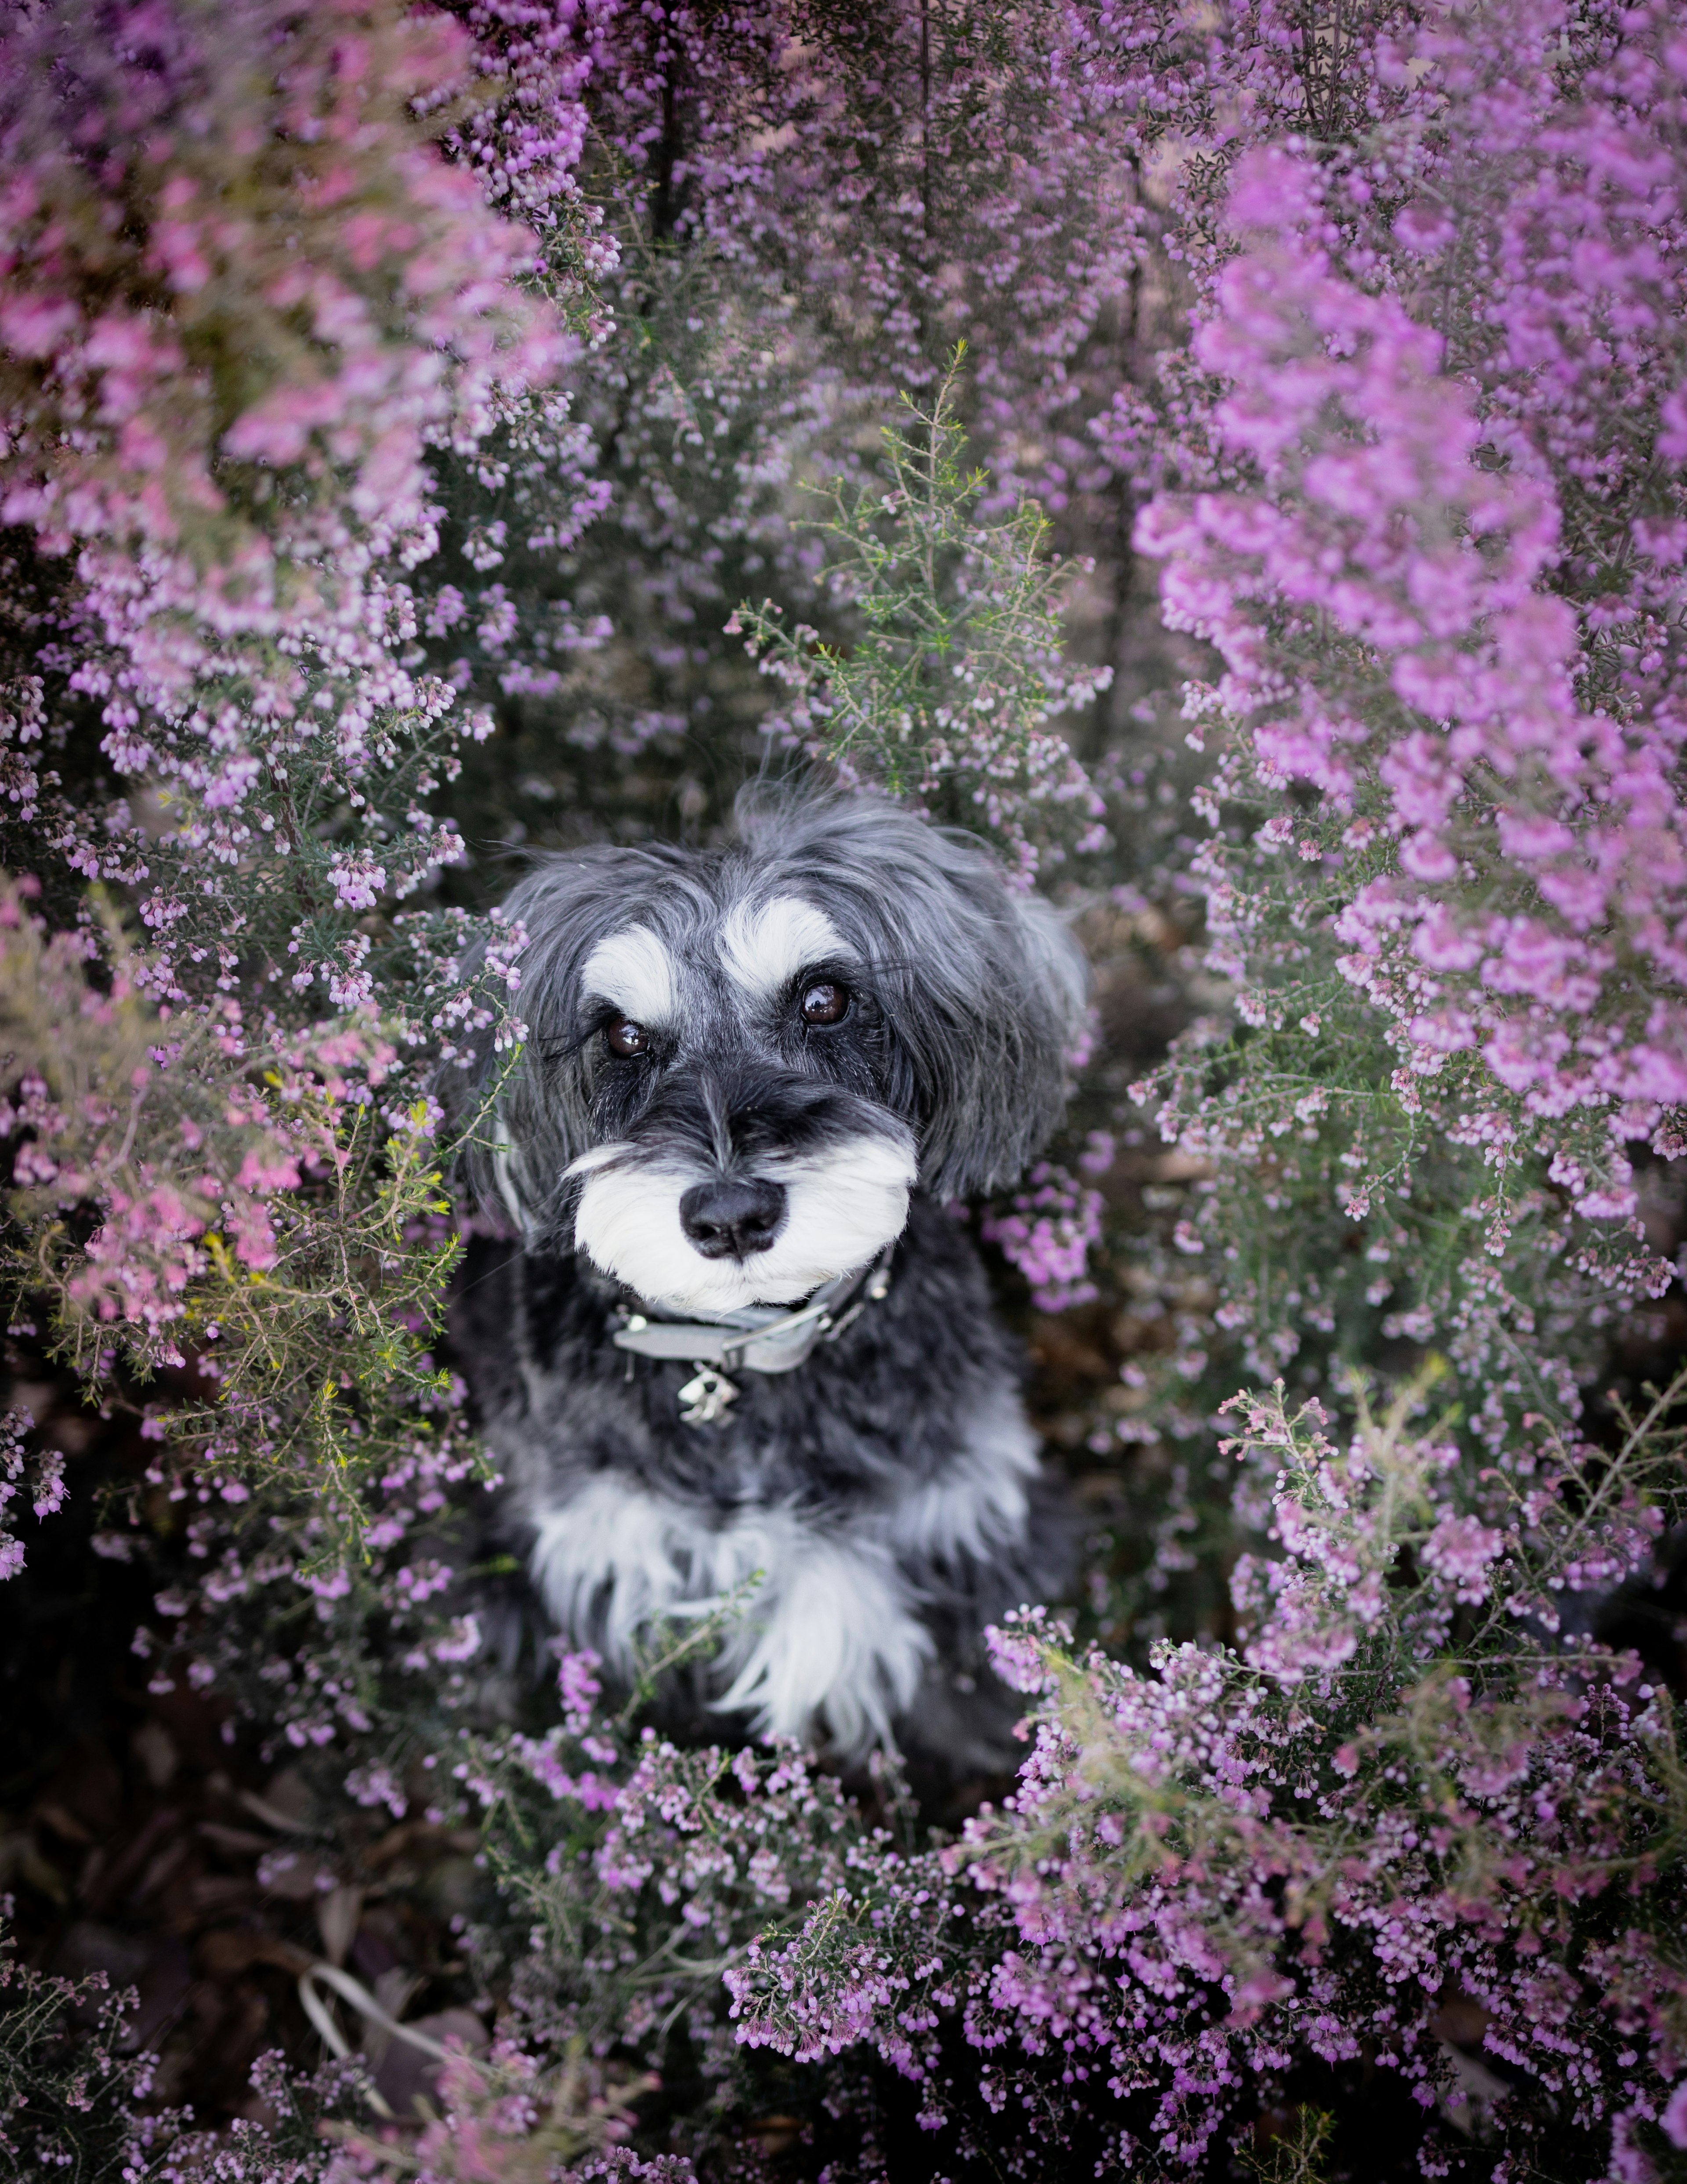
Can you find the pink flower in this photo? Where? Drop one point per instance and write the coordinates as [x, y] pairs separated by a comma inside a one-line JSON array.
[[1459, 1549]]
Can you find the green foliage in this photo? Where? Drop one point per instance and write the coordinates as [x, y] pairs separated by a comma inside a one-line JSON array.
[[257, 1211], [946, 694], [1298, 2155]]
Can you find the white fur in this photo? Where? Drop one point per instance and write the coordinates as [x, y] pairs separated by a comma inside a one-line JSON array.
[[764, 946], [612, 1534], [506, 1168], [979, 1503], [839, 1643], [844, 1206], [829, 1641], [633, 970], [596, 1156], [628, 1222]]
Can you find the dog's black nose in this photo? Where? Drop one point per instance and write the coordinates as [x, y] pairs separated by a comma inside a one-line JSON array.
[[731, 1217]]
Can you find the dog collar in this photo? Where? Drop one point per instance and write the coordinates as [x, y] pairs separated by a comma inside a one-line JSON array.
[[759, 1339]]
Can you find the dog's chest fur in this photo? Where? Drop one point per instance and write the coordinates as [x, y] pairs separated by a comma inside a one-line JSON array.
[[887, 1490]]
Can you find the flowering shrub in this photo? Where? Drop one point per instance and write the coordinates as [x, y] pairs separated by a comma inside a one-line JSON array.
[[44, 2083], [810, 206], [396, 405], [225, 369], [1403, 538], [1048, 1233], [503, 2117], [221, 404], [1401, 1789]]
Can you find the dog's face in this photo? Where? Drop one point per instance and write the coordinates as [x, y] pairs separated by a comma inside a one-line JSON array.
[[741, 1062], [745, 1152]]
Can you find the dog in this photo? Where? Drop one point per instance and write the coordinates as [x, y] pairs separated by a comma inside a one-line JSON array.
[[740, 1340]]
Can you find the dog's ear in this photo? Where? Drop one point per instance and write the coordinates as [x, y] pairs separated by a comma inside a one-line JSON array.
[[532, 1116], [983, 988]]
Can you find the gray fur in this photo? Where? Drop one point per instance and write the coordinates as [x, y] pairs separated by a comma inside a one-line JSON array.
[[889, 1487]]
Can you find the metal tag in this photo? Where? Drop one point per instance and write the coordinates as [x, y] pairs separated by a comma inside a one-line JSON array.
[[707, 1396]]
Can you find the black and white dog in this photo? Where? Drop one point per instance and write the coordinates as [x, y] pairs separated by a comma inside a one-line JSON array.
[[737, 1331]]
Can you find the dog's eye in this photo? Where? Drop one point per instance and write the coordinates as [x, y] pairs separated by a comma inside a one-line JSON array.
[[625, 1037], [826, 1003]]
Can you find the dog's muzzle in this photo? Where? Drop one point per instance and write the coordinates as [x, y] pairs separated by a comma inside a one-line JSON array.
[[728, 1197]]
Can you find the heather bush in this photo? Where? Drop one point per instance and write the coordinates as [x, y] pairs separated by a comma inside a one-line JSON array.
[[1410, 1781], [1444, 614], [64, 2101], [428, 431]]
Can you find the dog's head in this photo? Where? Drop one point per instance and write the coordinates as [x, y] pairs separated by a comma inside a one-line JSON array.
[[741, 1062]]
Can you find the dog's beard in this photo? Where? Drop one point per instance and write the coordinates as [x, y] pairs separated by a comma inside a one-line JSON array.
[[842, 1206]]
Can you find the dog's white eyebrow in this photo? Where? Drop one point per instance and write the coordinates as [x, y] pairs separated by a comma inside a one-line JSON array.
[[764, 945], [633, 970]]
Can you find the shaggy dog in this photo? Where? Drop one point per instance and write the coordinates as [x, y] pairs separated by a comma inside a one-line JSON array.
[[739, 1329]]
